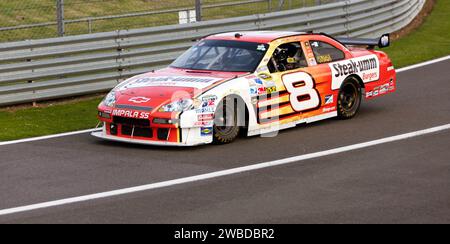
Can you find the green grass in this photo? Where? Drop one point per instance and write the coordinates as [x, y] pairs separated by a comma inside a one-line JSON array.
[[20, 12], [431, 40], [53, 119]]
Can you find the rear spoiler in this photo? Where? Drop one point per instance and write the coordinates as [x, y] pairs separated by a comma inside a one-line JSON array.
[[382, 42]]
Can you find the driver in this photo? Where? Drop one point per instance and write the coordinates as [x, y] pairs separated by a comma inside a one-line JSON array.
[[293, 57], [287, 57]]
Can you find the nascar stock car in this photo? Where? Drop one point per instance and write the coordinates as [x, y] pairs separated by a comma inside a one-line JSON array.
[[247, 83]]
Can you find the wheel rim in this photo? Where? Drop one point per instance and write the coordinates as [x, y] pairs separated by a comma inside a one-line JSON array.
[[349, 96]]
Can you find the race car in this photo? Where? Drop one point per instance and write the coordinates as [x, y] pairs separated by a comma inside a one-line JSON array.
[[247, 83]]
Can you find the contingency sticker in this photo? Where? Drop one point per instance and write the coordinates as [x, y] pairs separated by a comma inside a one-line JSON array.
[[206, 131], [367, 67], [261, 47]]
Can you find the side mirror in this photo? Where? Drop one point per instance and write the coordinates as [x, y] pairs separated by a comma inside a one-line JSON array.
[[385, 41]]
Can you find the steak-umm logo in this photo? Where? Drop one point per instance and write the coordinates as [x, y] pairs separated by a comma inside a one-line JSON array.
[[353, 67], [366, 67]]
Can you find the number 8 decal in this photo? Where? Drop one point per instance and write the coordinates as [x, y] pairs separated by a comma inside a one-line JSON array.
[[300, 86]]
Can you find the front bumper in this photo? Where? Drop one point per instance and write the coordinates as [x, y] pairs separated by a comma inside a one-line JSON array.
[[188, 142]]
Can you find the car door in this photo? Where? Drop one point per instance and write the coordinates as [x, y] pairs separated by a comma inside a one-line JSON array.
[[290, 89]]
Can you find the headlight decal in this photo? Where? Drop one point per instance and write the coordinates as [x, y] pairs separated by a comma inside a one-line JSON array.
[[180, 105], [110, 99]]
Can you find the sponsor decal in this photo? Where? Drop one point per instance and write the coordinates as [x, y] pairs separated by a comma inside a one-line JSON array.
[[271, 89], [390, 68], [312, 61], [203, 117], [329, 99], [204, 123], [309, 52], [262, 68], [258, 81], [139, 100], [205, 110], [186, 81], [269, 83], [380, 90], [384, 88], [254, 80], [261, 90], [253, 90], [291, 60], [327, 110], [265, 76], [206, 131], [209, 97], [261, 47], [209, 101], [367, 67], [324, 58], [130, 114]]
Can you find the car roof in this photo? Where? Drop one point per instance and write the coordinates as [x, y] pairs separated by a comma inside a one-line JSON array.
[[253, 36]]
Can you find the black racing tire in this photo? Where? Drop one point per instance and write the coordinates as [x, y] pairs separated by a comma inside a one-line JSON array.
[[226, 128], [349, 99]]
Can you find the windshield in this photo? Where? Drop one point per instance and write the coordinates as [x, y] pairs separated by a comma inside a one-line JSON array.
[[220, 55]]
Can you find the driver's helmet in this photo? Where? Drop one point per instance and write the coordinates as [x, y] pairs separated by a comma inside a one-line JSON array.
[[287, 52], [291, 50]]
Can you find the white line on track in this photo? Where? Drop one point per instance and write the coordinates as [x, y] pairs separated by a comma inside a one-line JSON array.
[[92, 130], [48, 137], [423, 64], [222, 173]]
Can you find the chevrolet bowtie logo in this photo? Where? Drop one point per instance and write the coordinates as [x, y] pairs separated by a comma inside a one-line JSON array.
[[139, 99]]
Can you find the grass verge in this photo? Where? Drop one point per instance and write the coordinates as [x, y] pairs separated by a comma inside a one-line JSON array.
[[429, 41], [31, 12], [49, 119]]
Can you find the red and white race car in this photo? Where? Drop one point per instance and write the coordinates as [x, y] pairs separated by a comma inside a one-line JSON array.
[[247, 83]]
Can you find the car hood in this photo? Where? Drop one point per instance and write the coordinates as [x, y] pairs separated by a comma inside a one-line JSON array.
[[155, 88]]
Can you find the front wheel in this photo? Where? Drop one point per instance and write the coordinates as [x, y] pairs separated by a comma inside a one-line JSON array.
[[349, 99], [226, 128]]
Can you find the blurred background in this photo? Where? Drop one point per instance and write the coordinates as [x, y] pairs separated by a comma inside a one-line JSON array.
[[35, 19]]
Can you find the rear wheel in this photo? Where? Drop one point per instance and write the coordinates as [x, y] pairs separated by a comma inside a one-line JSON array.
[[349, 99], [226, 128]]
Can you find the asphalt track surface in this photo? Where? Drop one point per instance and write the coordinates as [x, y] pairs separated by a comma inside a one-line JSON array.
[[406, 181]]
